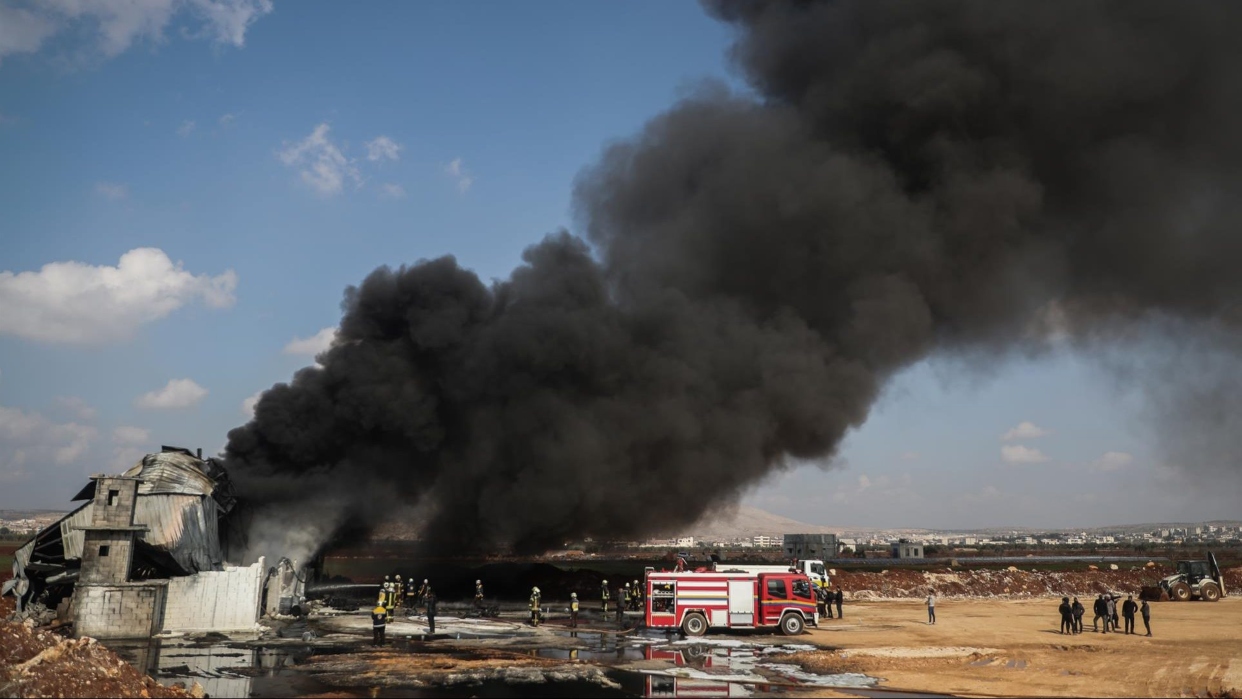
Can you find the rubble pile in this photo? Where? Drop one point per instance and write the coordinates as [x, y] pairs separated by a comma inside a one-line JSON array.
[[1012, 583], [39, 663]]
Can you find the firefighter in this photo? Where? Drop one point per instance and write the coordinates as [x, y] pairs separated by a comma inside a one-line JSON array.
[[625, 600], [604, 596], [411, 598], [620, 607], [379, 619], [536, 601], [422, 593], [478, 594], [636, 597], [573, 610], [398, 593], [387, 590]]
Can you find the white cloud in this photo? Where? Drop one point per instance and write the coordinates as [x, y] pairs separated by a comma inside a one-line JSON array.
[[229, 19], [1025, 430], [312, 345], [130, 444], [227, 119], [77, 407], [133, 436], [392, 191], [72, 302], [117, 24], [177, 393], [112, 190], [186, 128], [383, 148], [322, 164], [1018, 454], [863, 482], [910, 456], [29, 441], [23, 31], [457, 171], [249, 404], [1112, 461]]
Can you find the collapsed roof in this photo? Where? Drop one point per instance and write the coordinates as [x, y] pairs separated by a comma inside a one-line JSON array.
[[182, 499]]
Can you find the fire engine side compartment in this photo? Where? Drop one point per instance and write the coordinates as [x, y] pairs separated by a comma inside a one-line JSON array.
[[742, 596]]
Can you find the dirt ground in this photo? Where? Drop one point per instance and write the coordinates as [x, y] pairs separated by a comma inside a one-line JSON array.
[[1014, 648], [41, 663]]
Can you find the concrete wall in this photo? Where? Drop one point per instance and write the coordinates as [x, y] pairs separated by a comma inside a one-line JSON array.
[[110, 569], [226, 600], [114, 502], [810, 546], [125, 610]]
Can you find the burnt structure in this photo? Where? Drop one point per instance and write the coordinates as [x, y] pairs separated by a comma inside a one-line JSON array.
[[145, 553]]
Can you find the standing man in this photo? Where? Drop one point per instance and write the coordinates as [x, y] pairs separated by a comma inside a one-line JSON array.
[[478, 595], [931, 606], [1078, 610], [1146, 612], [625, 599], [379, 619], [398, 593], [620, 607], [1067, 616], [536, 604], [1127, 612], [1110, 607], [1101, 612], [573, 610], [840, 599], [430, 601], [604, 596]]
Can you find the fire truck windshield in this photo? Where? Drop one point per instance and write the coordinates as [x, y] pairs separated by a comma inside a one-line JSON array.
[[802, 588]]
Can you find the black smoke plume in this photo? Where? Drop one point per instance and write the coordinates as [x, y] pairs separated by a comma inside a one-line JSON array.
[[909, 179]]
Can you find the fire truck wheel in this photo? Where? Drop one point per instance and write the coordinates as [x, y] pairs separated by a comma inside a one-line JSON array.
[[792, 624], [694, 624]]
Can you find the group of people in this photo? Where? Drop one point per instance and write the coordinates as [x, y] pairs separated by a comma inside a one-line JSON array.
[[1106, 609], [826, 598], [402, 595]]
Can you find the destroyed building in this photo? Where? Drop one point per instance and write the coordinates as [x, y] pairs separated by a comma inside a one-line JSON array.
[[147, 552]]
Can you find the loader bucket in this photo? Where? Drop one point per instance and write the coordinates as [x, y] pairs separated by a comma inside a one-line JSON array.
[[1153, 593]]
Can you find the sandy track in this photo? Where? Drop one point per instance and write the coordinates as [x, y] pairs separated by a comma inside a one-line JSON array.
[[994, 647]]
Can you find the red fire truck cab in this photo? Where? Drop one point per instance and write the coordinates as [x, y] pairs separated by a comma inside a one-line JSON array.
[[696, 602]]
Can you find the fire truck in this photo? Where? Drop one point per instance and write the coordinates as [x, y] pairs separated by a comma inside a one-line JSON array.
[[698, 601]]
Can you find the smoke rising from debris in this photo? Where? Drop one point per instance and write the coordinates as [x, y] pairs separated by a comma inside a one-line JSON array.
[[913, 179]]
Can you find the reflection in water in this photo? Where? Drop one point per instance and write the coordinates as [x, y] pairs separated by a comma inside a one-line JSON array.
[[223, 671]]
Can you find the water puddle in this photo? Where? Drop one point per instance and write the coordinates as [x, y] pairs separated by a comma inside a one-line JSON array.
[[643, 663]]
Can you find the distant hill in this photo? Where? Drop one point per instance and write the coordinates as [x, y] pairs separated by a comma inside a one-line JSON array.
[[745, 521]]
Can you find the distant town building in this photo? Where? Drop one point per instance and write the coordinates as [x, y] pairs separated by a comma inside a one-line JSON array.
[[811, 546], [906, 549]]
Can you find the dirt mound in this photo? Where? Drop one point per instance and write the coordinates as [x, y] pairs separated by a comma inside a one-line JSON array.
[[39, 663], [912, 584]]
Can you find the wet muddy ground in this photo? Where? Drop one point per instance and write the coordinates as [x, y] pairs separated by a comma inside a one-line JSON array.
[[331, 654]]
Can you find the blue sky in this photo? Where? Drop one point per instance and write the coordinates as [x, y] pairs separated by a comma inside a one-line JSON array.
[[261, 156]]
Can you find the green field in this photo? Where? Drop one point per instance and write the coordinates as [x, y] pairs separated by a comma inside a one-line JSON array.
[[6, 565]]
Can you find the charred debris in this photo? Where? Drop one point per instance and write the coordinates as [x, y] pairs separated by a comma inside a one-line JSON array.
[[178, 520]]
